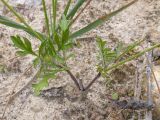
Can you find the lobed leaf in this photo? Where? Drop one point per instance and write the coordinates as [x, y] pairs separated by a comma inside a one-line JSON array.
[[39, 86], [24, 44]]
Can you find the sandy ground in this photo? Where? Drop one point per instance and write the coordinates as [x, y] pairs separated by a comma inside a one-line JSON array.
[[130, 25]]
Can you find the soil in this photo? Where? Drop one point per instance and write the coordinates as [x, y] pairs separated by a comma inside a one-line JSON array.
[[60, 100]]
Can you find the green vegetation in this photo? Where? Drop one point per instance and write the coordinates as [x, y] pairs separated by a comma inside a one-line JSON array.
[[52, 54]]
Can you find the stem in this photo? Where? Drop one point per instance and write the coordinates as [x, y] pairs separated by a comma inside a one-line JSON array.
[[91, 83], [131, 58], [129, 49], [74, 79]]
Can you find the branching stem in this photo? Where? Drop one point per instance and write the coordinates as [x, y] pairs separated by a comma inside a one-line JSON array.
[[91, 83], [74, 79]]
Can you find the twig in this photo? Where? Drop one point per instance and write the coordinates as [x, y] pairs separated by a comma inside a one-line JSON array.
[[12, 92], [154, 76], [90, 84], [27, 84], [149, 91], [10, 59], [80, 12], [109, 116], [85, 38], [137, 88]]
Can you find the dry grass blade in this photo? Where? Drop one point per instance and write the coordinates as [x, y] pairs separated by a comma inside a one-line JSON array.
[[13, 89], [27, 84], [149, 84], [154, 76], [137, 88]]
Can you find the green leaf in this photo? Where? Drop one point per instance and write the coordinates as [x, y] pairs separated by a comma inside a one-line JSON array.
[[131, 58], [39, 86], [18, 42], [57, 40], [67, 46], [49, 75], [99, 21], [59, 59], [73, 11], [119, 48], [64, 23], [106, 54], [22, 53], [6, 21], [65, 37], [36, 62], [54, 10], [24, 44], [46, 18], [101, 43], [21, 19], [27, 44], [115, 96], [67, 7], [46, 74]]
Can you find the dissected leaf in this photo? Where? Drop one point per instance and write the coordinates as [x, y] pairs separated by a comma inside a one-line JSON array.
[[24, 44], [106, 54], [39, 86], [18, 42]]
